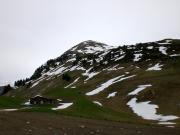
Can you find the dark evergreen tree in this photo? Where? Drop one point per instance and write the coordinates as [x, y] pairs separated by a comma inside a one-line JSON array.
[[7, 88], [37, 73], [129, 55], [84, 63], [66, 77]]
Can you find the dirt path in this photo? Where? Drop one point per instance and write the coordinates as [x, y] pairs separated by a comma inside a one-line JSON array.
[[21, 123]]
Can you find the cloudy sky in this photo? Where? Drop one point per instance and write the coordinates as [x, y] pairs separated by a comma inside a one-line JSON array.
[[33, 31]]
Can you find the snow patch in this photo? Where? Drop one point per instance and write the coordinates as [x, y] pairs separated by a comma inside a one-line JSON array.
[[58, 71], [163, 50], [174, 55], [74, 48], [71, 60], [8, 110], [113, 94], [114, 68], [121, 57], [37, 82], [156, 67], [137, 57], [139, 89], [94, 49], [167, 42], [150, 47], [167, 123], [148, 111], [63, 106], [27, 103], [98, 103], [90, 74], [77, 67], [73, 82], [108, 83]]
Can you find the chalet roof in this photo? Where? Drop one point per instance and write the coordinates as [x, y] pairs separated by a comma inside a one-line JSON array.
[[41, 97]]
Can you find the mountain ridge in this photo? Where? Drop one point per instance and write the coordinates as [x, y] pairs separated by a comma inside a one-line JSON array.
[[69, 54], [93, 50]]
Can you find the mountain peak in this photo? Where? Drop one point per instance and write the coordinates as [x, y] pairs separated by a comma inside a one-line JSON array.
[[90, 46]]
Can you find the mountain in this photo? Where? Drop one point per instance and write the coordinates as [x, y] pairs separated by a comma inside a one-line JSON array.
[[131, 83]]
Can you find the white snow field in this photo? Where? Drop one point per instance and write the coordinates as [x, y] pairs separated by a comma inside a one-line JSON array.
[[148, 111]]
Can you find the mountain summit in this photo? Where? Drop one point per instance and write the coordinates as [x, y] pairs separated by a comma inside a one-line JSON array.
[[90, 47]]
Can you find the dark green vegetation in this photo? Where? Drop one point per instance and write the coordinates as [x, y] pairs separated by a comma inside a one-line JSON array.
[[66, 77], [10, 102]]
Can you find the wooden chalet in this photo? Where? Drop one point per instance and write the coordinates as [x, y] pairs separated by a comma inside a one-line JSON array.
[[39, 100]]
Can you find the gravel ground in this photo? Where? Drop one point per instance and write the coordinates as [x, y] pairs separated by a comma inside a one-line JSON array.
[[26, 123]]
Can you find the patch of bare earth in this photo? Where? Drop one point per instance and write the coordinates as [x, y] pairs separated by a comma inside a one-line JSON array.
[[22, 123]]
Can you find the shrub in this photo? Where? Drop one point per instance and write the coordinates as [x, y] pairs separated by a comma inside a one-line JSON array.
[[66, 77], [7, 88]]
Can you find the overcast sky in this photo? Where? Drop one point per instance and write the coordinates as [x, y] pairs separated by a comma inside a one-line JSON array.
[[33, 31]]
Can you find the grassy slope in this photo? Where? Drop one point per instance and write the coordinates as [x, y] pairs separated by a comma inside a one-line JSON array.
[[10, 102]]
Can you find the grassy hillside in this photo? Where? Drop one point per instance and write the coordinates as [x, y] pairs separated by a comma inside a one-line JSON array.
[[164, 92]]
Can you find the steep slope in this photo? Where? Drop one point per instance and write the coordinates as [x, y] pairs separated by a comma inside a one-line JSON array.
[[115, 83], [90, 56]]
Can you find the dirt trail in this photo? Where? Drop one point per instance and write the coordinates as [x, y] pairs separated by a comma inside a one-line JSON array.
[[21, 123]]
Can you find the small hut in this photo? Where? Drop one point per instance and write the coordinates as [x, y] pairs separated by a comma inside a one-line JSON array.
[[39, 100]]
